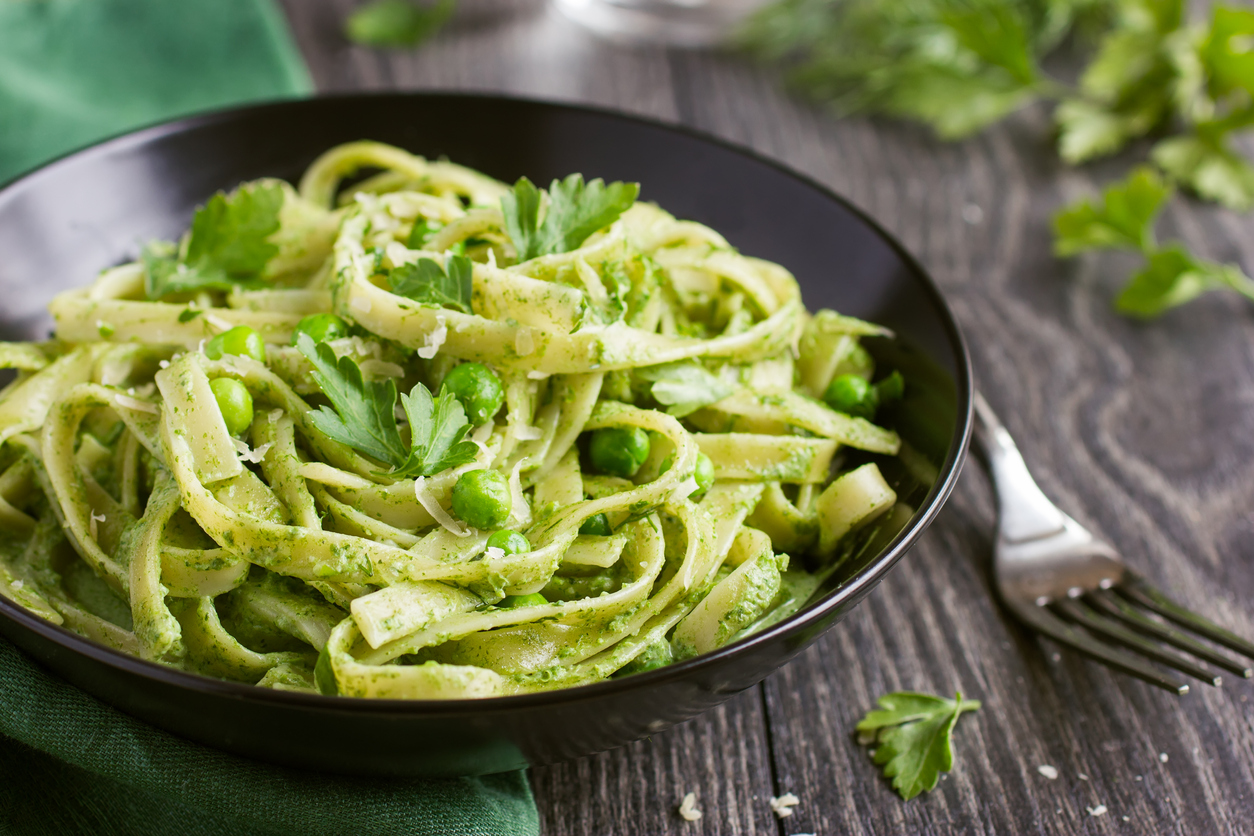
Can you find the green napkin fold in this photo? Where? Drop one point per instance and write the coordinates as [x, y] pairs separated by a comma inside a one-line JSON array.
[[69, 764], [73, 72], [76, 71]]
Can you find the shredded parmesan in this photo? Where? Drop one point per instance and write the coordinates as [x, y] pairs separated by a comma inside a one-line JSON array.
[[524, 432], [247, 454], [535, 375], [432, 342], [381, 368], [520, 511], [688, 808], [1048, 771], [360, 303], [136, 404], [164, 364], [274, 415], [686, 488], [782, 806], [493, 553], [92, 524], [426, 500], [218, 322], [524, 344], [491, 258]]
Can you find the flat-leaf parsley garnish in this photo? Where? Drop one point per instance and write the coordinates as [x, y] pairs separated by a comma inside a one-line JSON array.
[[575, 211], [911, 732], [428, 283], [364, 417], [228, 246]]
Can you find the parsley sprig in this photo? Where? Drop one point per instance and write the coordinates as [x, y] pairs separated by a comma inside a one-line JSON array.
[[397, 23], [228, 245], [427, 283], [1124, 220], [911, 733], [575, 211], [363, 416]]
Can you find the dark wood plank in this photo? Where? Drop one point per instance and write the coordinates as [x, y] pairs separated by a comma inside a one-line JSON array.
[[1142, 432]]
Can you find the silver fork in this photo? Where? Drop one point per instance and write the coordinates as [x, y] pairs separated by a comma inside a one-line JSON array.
[[1060, 580]]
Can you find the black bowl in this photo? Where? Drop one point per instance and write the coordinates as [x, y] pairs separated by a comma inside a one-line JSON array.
[[61, 224]]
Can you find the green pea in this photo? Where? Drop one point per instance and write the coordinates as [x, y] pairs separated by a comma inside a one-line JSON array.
[[321, 327], [619, 451], [482, 498], [510, 542], [704, 474], [478, 389], [241, 341], [852, 395], [511, 601], [597, 524], [234, 402]]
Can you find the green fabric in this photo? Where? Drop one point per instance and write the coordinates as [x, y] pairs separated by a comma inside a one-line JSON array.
[[70, 764], [73, 72], [76, 71]]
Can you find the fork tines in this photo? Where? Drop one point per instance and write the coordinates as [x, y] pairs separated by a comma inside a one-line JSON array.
[[1111, 615]]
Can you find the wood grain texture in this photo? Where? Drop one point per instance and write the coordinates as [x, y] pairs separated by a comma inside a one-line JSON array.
[[1142, 432]]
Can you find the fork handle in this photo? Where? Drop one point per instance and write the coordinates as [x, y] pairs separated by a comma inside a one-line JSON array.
[[1024, 512]]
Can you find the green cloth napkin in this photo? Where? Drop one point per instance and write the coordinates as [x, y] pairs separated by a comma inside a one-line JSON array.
[[76, 71], [73, 72], [69, 764]]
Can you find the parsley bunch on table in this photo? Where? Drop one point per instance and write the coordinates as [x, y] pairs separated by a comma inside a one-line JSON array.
[[960, 65]]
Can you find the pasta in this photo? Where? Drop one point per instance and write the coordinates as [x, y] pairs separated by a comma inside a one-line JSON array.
[[611, 449]]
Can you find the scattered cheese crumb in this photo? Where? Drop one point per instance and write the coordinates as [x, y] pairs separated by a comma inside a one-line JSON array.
[[164, 364], [1082, 776], [520, 511], [537, 375], [1127, 818], [136, 404], [782, 806], [688, 808], [274, 415], [1099, 810], [1162, 757], [1048, 771], [524, 344], [525, 433], [432, 342], [360, 303], [426, 500], [494, 553]]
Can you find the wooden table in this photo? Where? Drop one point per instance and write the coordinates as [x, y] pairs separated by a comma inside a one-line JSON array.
[[1142, 432]]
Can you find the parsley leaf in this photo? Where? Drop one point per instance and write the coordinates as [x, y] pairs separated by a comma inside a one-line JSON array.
[[685, 387], [1172, 277], [1208, 167], [422, 232], [397, 23], [438, 429], [427, 283], [364, 416], [1124, 218], [912, 732], [575, 211], [228, 245]]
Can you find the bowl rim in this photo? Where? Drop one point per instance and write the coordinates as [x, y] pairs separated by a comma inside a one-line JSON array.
[[853, 590]]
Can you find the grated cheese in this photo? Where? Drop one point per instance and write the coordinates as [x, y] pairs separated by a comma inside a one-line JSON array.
[[92, 524], [274, 415], [688, 808], [1048, 771], [426, 500], [247, 454], [218, 322], [535, 375], [432, 342], [1099, 810], [524, 432], [494, 553]]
